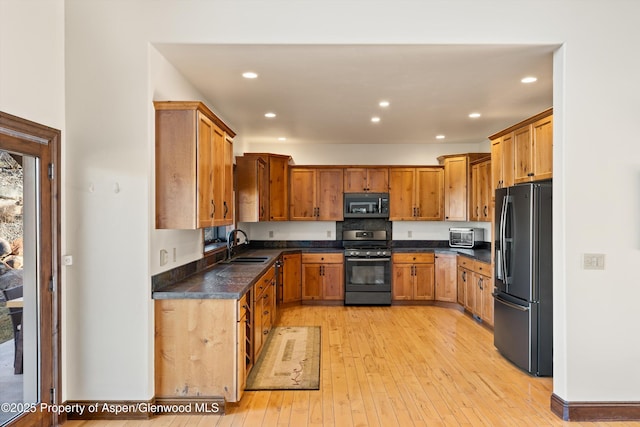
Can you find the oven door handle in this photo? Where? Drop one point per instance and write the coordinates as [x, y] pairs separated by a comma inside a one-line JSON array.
[[368, 259]]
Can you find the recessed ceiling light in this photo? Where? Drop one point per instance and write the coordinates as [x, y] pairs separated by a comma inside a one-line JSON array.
[[375, 119], [439, 136], [383, 104], [270, 115], [282, 138], [249, 75], [529, 79], [474, 115]]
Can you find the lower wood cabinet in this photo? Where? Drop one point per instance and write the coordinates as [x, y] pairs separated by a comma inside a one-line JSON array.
[[264, 305], [446, 277], [323, 276], [291, 278], [475, 288], [413, 276], [200, 348]]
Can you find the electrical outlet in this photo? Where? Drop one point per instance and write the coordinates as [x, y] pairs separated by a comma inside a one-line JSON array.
[[271, 233], [67, 260], [409, 233], [593, 261], [164, 256], [328, 233]]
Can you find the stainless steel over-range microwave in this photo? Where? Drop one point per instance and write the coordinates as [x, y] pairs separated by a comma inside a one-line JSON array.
[[463, 237], [366, 205]]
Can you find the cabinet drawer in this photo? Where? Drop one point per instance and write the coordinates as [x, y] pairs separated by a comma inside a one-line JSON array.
[[325, 258], [465, 262], [426, 258], [482, 268], [243, 306]]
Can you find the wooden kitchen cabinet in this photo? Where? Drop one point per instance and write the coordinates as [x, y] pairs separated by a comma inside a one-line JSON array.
[[322, 276], [481, 190], [192, 156], [264, 304], [200, 349], [252, 188], [526, 149], [445, 277], [502, 164], [416, 194], [362, 180], [413, 276], [455, 188], [316, 194], [270, 192], [292, 278], [476, 278]]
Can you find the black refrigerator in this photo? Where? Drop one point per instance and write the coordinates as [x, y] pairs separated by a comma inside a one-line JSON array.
[[523, 322]]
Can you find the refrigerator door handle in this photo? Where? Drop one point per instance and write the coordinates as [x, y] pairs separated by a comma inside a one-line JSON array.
[[503, 242], [509, 304]]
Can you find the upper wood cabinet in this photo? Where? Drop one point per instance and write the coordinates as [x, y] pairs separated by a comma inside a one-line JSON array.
[[252, 188], [316, 194], [193, 156], [416, 193], [502, 162], [526, 150], [262, 196], [481, 190], [456, 171], [359, 180]]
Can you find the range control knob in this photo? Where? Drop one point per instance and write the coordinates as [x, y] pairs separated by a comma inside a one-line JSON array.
[[368, 253]]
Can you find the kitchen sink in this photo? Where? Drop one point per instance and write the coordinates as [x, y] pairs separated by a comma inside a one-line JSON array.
[[249, 259]]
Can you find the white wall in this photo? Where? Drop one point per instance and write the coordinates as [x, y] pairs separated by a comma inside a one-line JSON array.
[[108, 136]]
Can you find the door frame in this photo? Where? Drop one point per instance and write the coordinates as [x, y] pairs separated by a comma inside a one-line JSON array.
[[23, 136]]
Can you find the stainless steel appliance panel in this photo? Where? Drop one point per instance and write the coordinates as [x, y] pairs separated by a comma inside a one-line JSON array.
[[516, 342]]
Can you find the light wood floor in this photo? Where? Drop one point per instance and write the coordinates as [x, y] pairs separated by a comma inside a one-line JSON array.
[[393, 366]]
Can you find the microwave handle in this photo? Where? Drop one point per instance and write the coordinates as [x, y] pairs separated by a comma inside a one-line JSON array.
[[379, 204]]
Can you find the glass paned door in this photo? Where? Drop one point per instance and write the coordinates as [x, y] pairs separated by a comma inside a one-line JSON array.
[[29, 272], [19, 276]]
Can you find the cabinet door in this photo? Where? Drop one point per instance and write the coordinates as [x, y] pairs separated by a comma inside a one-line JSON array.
[[332, 282], [508, 162], [292, 280], [462, 283], [455, 188], [311, 282], [263, 191], [470, 291], [219, 210], [355, 180], [497, 166], [329, 199], [429, 184], [484, 191], [474, 199], [401, 192], [424, 275], [303, 194], [378, 180], [205, 174], [543, 148], [446, 275], [487, 300], [278, 188], [227, 202], [522, 146], [402, 285]]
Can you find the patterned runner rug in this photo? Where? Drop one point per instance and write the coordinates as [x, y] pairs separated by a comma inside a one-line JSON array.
[[290, 360]]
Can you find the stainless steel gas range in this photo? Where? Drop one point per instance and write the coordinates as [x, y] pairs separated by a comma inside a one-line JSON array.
[[367, 267]]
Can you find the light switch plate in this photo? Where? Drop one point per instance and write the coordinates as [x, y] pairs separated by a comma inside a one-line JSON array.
[[593, 261]]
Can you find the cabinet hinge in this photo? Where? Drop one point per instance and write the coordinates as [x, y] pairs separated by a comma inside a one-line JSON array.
[[53, 395], [51, 171]]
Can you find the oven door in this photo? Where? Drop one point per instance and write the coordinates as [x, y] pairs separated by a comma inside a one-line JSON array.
[[367, 274]]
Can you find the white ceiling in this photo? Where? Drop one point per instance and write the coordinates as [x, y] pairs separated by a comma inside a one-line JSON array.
[[328, 93]]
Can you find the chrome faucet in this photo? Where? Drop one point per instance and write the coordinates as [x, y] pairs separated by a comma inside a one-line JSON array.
[[231, 240]]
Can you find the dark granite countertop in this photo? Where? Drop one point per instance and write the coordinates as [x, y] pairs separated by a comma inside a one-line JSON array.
[[222, 280]]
